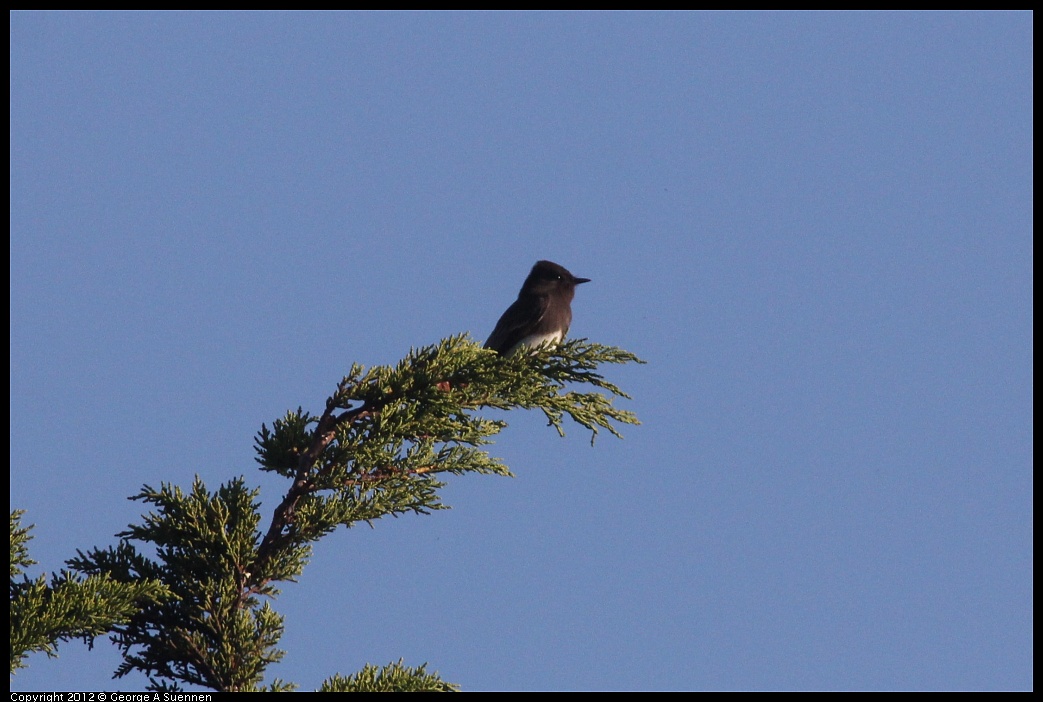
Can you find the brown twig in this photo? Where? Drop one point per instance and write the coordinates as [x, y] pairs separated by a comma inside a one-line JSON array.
[[284, 515], [385, 472]]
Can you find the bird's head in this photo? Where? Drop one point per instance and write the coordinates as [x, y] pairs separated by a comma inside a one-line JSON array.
[[546, 277]]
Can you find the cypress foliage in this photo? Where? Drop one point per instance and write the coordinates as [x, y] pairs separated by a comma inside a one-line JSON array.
[[199, 611]]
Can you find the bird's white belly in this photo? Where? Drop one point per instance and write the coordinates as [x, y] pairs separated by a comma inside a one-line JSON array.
[[534, 340]]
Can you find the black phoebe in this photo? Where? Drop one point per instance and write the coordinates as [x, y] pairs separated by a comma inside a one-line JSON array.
[[542, 312]]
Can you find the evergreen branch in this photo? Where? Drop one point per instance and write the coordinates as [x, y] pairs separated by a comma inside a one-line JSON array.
[[394, 677], [379, 447], [70, 606], [378, 421]]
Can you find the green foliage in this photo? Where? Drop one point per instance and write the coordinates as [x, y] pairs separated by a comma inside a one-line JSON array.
[[19, 551], [69, 607], [376, 450], [214, 632], [393, 677]]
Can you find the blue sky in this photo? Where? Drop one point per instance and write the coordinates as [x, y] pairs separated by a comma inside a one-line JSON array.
[[816, 228]]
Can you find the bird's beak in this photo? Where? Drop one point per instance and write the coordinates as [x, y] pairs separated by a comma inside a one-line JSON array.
[[577, 281]]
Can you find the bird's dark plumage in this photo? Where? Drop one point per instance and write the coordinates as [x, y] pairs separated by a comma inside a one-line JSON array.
[[542, 312]]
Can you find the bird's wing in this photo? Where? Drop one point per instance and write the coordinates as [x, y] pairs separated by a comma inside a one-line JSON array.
[[516, 322]]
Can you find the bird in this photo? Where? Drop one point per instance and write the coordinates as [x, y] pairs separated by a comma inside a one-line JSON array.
[[541, 314]]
